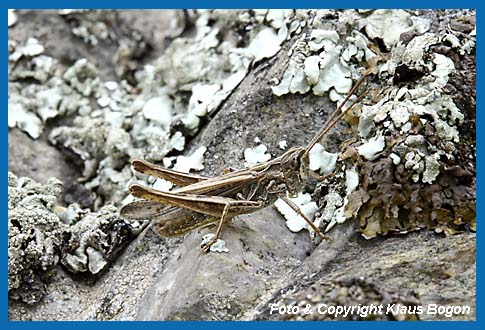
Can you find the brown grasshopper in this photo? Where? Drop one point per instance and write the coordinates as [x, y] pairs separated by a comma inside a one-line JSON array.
[[202, 201]]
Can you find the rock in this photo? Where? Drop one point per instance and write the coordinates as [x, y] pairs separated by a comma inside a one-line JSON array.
[[214, 286], [418, 269], [35, 158], [42, 233]]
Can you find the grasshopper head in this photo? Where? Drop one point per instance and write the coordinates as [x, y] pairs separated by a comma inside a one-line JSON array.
[[295, 170]]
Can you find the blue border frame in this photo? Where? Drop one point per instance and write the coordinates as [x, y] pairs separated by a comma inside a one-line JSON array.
[[418, 4], [345, 4]]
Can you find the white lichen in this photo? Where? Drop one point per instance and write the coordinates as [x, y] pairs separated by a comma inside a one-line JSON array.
[[333, 75], [69, 215], [25, 120], [464, 46], [387, 25], [358, 48], [177, 141], [399, 115], [413, 54], [283, 144], [351, 180], [31, 48], [83, 77], [103, 101], [395, 109], [96, 261], [444, 68], [321, 160], [194, 161], [294, 81], [413, 161], [167, 161], [256, 155], [162, 185], [218, 246], [332, 213], [396, 160], [432, 169], [312, 69], [294, 221], [265, 44], [372, 147], [12, 17], [320, 38], [159, 110], [322, 64], [277, 17]]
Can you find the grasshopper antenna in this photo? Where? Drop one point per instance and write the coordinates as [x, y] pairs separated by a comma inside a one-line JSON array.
[[338, 114]]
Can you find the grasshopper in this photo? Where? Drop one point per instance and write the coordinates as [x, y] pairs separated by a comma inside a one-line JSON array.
[[201, 201]]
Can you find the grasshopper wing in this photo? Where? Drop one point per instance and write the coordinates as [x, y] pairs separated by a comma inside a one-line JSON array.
[[176, 177], [171, 220], [143, 210], [209, 205]]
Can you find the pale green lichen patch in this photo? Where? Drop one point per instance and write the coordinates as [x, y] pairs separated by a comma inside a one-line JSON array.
[[162, 185], [31, 48], [34, 236], [312, 69], [413, 127], [265, 44], [351, 180], [321, 61], [30, 106], [410, 189], [159, 109], [331, 212], [95, 240], [293, 81], [334, 205], [42, 233], [135, 116], [89, 25], [432, 169], [387, 25], [407, 144]]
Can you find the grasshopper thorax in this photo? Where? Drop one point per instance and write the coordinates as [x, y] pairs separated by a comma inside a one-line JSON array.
[[294, 166]]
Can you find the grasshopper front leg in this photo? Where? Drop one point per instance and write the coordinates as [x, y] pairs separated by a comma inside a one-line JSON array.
[[300, 213]]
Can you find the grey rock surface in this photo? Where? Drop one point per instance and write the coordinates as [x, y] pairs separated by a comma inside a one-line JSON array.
[[417, 269], [36, 158], [218, 286]]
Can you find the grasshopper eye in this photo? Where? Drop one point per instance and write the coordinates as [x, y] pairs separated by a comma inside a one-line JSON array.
[[296, 162]]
